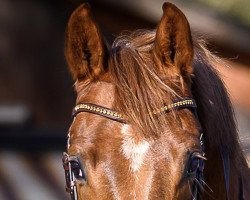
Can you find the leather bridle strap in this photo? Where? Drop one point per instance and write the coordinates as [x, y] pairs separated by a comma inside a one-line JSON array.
[[99, 110], [185, 102], [69, 176]]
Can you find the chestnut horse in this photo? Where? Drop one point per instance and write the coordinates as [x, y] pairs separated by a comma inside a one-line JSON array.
[[141, 107]]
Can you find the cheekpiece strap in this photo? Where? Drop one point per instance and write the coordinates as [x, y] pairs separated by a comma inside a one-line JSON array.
[[69, 175]]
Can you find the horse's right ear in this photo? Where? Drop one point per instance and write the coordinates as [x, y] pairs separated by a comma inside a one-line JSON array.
[[84, 47]]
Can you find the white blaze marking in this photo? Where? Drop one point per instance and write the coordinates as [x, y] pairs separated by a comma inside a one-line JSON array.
[[133, 150], [112, 179]]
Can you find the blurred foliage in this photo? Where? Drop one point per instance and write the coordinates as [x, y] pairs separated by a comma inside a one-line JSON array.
[[239, 9]]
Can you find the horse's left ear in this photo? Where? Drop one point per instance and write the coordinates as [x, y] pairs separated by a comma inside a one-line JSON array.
[[173, 41], [85, 49]]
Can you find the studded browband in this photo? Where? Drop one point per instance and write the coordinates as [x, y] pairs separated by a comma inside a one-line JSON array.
[[114, 115]]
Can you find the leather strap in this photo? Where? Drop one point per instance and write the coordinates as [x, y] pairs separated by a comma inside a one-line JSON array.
[[185, 102], [69, 176], [99, 110]]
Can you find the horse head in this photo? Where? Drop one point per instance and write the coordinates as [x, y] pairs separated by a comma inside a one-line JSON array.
[[135, 132]]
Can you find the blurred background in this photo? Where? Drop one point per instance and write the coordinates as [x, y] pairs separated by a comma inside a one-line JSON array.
[[36, 90]]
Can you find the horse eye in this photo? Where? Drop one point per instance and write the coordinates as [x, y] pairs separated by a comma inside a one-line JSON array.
[[193, 166], [78, 171], [194, 163]]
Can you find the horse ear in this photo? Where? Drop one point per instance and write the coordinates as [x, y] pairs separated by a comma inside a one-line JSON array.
[[84, 47], [173, 42]]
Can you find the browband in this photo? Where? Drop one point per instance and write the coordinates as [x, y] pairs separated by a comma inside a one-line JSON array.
[[114, 115]]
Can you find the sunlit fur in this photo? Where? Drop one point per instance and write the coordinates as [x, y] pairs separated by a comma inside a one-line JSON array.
[[147, 158]]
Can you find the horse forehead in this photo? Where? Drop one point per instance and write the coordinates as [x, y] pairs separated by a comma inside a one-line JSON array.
[[100, 92]]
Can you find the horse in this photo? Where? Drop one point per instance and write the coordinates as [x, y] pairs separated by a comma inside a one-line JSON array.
[[152, 119]]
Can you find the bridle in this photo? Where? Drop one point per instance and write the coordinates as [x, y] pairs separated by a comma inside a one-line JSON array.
[[189, 103], [71, 185], [69, 175]]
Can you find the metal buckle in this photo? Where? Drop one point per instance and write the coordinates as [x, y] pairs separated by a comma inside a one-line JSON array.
[[69, 176]]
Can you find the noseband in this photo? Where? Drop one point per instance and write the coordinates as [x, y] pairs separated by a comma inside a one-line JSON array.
[[71, 181]]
